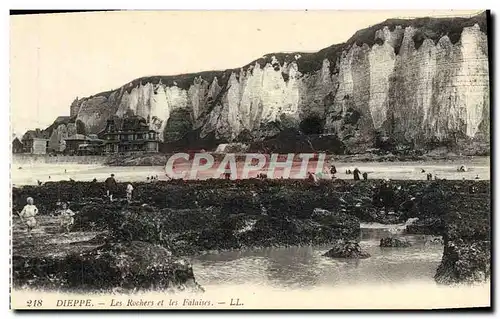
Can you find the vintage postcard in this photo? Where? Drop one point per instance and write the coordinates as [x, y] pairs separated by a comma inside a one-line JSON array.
[[250, 160]]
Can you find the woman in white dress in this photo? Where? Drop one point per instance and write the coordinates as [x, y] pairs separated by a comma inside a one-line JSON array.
[[28, 215]]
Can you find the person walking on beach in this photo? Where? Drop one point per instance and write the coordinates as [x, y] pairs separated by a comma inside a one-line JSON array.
[[333, 170], [28, 215], [66, 218], [130, 189], [111, 186], [356, 173]]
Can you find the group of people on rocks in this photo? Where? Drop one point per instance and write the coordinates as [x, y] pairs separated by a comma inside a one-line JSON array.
[[66, 215], [112, 188], [27, 215]]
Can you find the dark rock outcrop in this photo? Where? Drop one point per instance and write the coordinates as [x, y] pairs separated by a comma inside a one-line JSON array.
[[467, 240], [187, 217], [465, 262], [126, 266], [436, 240], [346, 249], [186, 231], [427, 226], [394, 242]]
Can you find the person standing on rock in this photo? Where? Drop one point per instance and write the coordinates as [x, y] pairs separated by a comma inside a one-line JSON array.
[[66, 218], [313, 178], [386, 194], [111, 186], [130, 189], [365, 176], [28, 215], [356, 173]]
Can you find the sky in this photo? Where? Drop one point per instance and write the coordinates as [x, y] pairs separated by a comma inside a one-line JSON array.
[[55, 58]]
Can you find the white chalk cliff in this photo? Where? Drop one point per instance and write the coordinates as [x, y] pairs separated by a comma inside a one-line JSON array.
[[415, 81]]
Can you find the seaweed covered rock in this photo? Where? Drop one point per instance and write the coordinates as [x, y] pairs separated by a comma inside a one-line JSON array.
[[187, 216], [133, 265], [346, 249], [427, 226], [342, 224], [323, 227], [394, 242], [467, 240], [97, 216], [47, 196], [465, 262], [127, 266], [386, 217], [183, 231], [434, 240], [268, 231]]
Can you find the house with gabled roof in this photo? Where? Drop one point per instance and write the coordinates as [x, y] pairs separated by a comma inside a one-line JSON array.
[[133, 136], [35, 142]]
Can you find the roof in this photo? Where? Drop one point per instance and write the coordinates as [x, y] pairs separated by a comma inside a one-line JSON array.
[[78, 137], [134, 123], [31, 134], [130, 132], [137, 142], [88, 145]]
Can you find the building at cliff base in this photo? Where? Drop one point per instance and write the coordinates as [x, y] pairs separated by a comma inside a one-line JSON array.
[[17, 146], [35, 142], [133, 136], [80, 144]]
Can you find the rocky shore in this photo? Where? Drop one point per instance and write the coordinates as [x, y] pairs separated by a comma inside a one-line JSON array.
[[171, 220]]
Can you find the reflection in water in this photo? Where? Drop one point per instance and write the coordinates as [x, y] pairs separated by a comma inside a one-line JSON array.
[[305, 267], [293, 266]]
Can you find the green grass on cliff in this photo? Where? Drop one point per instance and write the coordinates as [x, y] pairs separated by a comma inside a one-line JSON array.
[[429, 28]]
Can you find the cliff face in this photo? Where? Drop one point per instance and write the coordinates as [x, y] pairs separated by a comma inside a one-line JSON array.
[[417, 82]]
